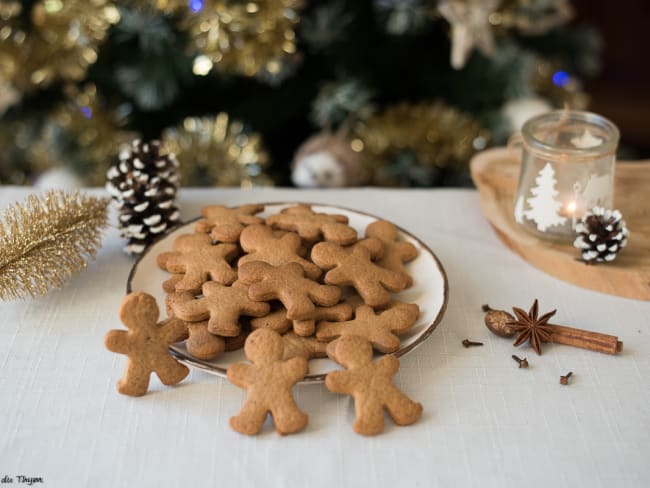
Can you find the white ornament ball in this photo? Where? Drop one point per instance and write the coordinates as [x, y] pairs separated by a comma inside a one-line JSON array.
[[58, 179], [318, 170], [519, 110]]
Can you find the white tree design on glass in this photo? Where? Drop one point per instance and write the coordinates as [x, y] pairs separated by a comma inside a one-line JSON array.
[[543, 205]]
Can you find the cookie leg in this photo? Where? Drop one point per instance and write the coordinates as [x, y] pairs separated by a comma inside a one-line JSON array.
[[304, 328], [251, 417], [401, 408], [135, 381], [287, 417], [373, 294], [192, 281], [170, 371], [369, 416]]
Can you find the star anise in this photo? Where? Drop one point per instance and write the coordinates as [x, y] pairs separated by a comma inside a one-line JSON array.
[[531, 327]]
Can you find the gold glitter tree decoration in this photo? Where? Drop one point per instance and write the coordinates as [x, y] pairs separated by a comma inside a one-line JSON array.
[[217, 151], [246, 37], [61, 42], [93, 126], [45, 240], [438, 136]]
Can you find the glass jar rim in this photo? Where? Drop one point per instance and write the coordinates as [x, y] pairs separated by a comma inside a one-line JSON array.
[[608, 144]]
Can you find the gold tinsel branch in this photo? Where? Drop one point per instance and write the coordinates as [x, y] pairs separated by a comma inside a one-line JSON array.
[[217, 151], [437, 134], [250, 38], [45, 240], [61, 42]]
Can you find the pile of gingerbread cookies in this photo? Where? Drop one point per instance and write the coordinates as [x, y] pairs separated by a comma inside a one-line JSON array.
[[294, 286]]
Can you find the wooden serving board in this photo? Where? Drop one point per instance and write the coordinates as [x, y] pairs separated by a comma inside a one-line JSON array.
[[496, 174]]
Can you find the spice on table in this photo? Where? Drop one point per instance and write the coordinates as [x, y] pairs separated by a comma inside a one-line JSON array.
[[498, 321], [523, 363], [468, 343], [536, 329], [564, 380]]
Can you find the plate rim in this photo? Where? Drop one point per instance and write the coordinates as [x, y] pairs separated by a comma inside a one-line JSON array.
[[309, 378]]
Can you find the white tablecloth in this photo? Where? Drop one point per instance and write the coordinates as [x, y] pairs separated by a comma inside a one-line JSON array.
[[485, 423]]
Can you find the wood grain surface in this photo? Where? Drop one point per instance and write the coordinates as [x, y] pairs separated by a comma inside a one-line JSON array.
[[496, 173]]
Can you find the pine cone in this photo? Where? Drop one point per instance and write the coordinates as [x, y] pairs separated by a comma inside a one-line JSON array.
[[601, 235], [144, 185]]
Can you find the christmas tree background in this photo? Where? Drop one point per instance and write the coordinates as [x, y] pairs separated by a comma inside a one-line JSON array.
[[236, 88]]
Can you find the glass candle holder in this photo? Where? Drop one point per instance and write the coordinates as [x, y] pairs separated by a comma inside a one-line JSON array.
[[567, 168]]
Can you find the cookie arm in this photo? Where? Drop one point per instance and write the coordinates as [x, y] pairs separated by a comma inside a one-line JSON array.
[[327, 331], [295, 368], [173, 330], [241, 375], [117, 341], [387, 364], [340, 382]]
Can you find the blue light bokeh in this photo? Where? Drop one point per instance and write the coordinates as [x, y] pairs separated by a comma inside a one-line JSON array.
[[196, 5], [561, 78], [87, 112]]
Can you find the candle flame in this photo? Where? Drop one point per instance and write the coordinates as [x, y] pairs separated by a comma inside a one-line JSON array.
[[571, 206]]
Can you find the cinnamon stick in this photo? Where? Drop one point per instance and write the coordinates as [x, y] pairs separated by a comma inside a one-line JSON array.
[[593, 341]]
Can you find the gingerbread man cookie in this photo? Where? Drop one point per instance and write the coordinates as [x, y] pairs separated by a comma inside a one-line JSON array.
[[396, 253], [201, 343], [381, 329], [146, 344], [356, 268], [261, 245], [225, 224], [370, 383], [222, 305], [269, 381], [287, 284], [199, 260], [338, 313], [311, 225]]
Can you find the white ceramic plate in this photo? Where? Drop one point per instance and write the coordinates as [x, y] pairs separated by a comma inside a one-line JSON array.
[[429, 290]]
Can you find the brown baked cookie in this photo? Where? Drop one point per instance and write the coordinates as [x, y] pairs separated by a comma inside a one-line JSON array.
[[276, 320], [311, 226], [225, 224], [337, 313], [201, 343], [370, 383], [146, 344], [261, 245], [269, 381], [222, 305], [355, 268], [396, 253], [199, 260], [305, 347], [381, 329], [237, 342], [374, 247], [287, 284]]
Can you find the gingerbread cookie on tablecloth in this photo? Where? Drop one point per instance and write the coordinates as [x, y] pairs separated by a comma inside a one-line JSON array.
[[269, 381], [146, 344], [370, 383]]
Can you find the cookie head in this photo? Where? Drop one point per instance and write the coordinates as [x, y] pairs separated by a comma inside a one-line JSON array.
[[139, 309], [351, 351], [264, 345]]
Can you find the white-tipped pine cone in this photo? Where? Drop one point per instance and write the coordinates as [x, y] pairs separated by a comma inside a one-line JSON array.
[[144, 185], [601, 235]]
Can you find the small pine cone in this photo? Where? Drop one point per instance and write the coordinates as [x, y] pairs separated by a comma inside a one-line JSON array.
[[144, 185], [601, 235]]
